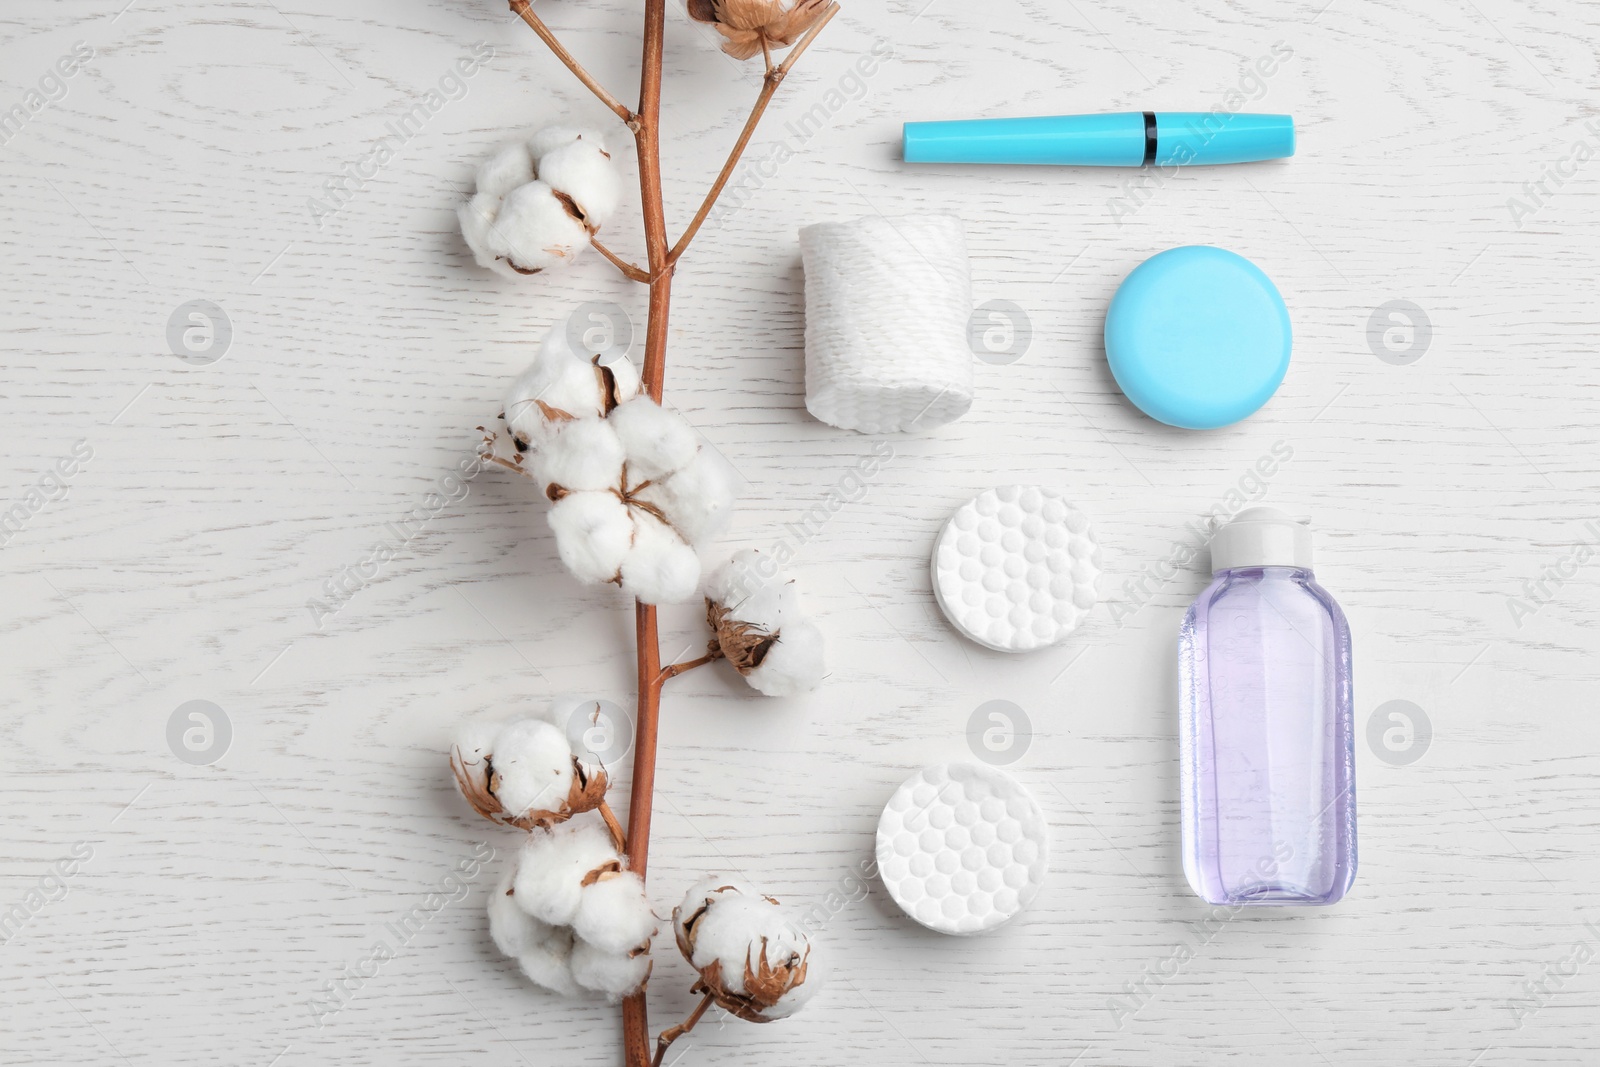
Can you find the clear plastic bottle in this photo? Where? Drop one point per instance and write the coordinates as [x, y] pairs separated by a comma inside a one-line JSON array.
[[1266, 740]]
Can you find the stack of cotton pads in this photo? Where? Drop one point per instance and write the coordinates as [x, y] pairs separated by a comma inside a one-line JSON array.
[[1014, 569], [962, 848], [887, 304]]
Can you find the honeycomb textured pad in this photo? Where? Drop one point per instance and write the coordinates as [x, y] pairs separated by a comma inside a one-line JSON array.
[[887, 304], [962, 847], [1015, 568]]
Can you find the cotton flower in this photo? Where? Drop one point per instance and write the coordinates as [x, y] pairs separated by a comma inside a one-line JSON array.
[[616, 974], [760, 628], [544, 952], [562, 385], [748, 23], [573, 915], [538, 202], [632, 492], [657, 441], [753, 960], [523, 772]]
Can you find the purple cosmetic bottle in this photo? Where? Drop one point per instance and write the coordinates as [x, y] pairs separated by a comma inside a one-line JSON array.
[[1266, 738]]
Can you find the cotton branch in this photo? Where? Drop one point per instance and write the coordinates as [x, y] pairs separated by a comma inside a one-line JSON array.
[[629, 270], [769, 86], [672, 1034], [524, 9]]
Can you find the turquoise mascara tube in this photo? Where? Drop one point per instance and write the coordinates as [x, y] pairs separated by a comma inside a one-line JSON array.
[[1134, 139]]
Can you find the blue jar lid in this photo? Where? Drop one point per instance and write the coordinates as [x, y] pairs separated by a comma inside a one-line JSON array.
[[1198, 337]]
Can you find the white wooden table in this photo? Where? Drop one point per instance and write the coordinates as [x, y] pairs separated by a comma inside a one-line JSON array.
[[1448, 469]]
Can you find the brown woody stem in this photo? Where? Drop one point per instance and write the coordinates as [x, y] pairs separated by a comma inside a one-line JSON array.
[[524, 10], [646, 127], [635, 273], [646, 133], [617, 836], [687, 665], [769, 86], [672, 1034]]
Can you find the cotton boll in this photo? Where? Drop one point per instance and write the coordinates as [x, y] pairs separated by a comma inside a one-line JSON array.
[[657, 441], [660, 568], [625, 376], [584, 171], [513, 930], [793, 663], [534, 231], [549, 965], [505, 170], [727, 931], [532, 767], [477, 218], [559, 381], [580, 454], [701, 895], [697, 500], [614, 914], [553, 864], [551, 138], [594, 535], [749, 595], [616, 974], [543, 951], [796, 996], [474, 738]]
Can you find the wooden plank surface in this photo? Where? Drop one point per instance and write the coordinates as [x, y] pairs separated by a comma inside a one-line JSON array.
[[176, 562]]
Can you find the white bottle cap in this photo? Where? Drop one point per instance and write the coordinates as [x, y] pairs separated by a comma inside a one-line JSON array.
[[1261, 537]]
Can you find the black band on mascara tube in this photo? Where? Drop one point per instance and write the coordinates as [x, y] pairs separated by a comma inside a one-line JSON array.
[[1149, 138]]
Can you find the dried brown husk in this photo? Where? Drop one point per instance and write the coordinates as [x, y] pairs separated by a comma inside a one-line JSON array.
[[765, 981], [477, 783], [744, 644], [748, 24]]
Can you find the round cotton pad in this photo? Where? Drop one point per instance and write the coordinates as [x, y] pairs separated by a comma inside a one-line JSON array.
[[1198, 337], [962, 847], [1014, 569]]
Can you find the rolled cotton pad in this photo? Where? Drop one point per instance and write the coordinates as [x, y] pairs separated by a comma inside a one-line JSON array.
[[962, 847], [1014, 569], [1198, 337], [887, 304]]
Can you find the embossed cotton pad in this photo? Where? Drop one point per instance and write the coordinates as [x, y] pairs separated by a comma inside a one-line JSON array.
[[1014, 569], [962, 847]]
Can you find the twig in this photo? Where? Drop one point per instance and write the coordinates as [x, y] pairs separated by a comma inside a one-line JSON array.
[[646, 126], [638, 274], [687, 665], [614, 826], [774, 77], [524, 9], [672, 1034], [647, 640]]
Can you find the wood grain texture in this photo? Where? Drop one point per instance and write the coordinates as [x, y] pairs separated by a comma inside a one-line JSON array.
[[177, 566]]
